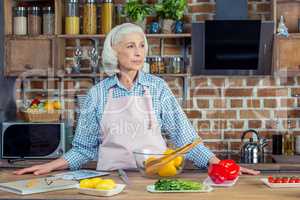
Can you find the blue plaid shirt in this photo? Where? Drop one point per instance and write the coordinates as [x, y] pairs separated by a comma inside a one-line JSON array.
[[169, 114]]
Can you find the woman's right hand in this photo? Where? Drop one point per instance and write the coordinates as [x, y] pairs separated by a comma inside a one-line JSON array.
[[46, 168]]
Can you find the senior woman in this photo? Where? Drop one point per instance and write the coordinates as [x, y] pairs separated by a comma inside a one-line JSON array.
[[127, 111]]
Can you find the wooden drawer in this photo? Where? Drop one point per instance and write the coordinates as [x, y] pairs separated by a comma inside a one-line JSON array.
[[25, 55]]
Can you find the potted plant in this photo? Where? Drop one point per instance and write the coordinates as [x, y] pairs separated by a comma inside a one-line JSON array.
[[137, 11], [169, 11]]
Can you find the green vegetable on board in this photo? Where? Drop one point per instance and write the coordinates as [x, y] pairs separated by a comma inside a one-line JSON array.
[[177, 184]]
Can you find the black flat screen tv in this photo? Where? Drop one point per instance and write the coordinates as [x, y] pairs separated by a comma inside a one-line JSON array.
[[233, 47]]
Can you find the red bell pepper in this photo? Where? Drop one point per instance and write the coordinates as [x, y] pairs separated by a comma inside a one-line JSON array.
[[224, 170]]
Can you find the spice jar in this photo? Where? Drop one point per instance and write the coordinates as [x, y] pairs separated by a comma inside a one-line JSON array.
[[34, 21], [20, 21], [160, 65], [106, 16], [90, 17], [48, 20], [72, 23], [153, 66], [120, 17], [176, 65]]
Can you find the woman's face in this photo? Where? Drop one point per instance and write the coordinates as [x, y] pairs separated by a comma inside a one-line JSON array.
[[131, 52]]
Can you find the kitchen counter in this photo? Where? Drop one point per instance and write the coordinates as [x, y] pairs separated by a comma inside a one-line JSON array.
[[247, 187]]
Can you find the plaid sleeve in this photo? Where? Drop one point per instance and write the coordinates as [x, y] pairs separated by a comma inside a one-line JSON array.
[[86, 140], [176, 124]]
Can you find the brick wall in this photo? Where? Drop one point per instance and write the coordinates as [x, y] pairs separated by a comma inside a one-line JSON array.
[[219, 107]]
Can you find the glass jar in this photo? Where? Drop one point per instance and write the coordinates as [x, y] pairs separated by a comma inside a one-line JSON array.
[[120, 17], [106, 16], [160, 65], [72, 23], [34, 21], [176, 65], [48, 20], [20, 21], [90, 17], [154, 66]]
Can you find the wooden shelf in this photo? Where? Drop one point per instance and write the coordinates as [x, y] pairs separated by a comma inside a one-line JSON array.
[[101, 36], [38, 37], [291, 36]]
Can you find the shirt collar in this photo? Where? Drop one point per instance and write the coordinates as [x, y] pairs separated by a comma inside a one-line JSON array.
[[141, 79]]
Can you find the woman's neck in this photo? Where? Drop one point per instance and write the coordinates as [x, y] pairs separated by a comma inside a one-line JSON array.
[[127, 78]]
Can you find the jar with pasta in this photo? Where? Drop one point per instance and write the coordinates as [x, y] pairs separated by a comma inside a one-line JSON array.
[[48, 20], [72, 21], [106, 16], [34, 21], [90, 17], [20, 21]]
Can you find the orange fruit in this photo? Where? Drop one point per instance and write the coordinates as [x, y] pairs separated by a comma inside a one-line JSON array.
[[178, 160], [149, 159], [49, 106], [57, 105], [167, 170]]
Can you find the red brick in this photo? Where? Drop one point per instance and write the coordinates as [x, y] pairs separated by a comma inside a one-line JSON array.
[[70, 105], [235, 82], [193, 114], [203, 124], [287, 103], [253, 103], [200, 1], [203, 17], [254, 114], [219, 103], [238, 92], [235, 146], [236, 103], [188, 104], [287, 81], [263, 7], [232, 134], [236, 124], [217, 114], [295, 91], [270, 103], [253, 81], [202, 8], [37, 84], [220, 124], [272, 92], [269, 81], [217, 146], [209, 135], [218, 82], [271, 124], [202, 103], [198, 82], [267, 134], [293, 124], [205, 92], [287, 113]]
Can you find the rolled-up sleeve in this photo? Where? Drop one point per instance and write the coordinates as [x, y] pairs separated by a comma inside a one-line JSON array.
[[176, 124], [86, 140]]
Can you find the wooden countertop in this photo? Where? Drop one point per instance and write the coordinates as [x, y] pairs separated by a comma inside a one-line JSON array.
[[247, 187]]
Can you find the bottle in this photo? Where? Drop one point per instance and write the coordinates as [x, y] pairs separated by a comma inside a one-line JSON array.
[[20, 21], [161, 65], [90, 17], [72, 23], [277, 141], [288, 141], [176, 63], [34, 21], [106, 16], [48, 20]]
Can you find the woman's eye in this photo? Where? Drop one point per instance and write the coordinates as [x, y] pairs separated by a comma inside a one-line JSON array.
[[130, 46], [143, 45]]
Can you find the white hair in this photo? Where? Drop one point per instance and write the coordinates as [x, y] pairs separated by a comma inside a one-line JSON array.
[[109, 55]]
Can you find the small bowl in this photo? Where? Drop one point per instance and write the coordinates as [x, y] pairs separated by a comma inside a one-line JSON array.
[[170, 169]]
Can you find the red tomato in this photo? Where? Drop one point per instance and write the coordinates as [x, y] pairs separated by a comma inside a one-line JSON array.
[[292, 180], [297, 180], [284, 180], [271, 179], [278, 180]]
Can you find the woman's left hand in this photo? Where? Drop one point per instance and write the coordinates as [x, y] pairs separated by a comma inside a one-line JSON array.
[[244, 170]]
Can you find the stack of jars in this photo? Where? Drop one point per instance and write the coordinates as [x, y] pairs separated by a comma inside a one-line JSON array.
[[171, 65], [33, 20], [89, 26]]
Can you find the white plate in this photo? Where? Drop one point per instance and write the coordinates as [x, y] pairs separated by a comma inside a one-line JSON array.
[[208, 181], [280, 185], [105, 193], [151, 188]]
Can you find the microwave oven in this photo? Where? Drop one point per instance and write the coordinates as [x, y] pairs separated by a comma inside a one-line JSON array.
[[21, 140]]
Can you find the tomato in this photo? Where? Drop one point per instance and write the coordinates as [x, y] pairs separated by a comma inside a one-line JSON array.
[[284, 180], [278, 180], [271, 179], [297, 180], [292, 180]]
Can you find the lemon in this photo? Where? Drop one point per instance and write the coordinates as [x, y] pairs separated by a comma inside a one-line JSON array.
[[177, 161], [167, 170], [57, 105], [149, 159], [106, 184], [86, 183]]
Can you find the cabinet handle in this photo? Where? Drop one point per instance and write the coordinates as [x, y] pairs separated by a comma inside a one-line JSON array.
[[28, 66]]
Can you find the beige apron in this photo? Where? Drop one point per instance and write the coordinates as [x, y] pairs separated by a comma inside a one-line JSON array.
[[128, 124]]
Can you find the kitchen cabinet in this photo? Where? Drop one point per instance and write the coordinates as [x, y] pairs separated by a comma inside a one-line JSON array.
[[286, 60]]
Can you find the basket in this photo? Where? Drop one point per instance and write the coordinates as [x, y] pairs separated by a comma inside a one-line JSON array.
[[41, 116]]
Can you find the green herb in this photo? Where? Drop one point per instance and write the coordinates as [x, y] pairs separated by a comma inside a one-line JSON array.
[[171, 9], [176, 184], [136, 10]]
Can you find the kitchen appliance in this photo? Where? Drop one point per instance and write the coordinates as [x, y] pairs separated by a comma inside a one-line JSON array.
[[21, 140], [253, 151]]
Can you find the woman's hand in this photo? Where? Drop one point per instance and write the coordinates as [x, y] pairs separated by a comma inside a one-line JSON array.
[[44, 168], [244, 170]]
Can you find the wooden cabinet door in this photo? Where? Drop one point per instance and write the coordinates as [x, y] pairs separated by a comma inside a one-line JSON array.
[[287, 55], [25, 55]]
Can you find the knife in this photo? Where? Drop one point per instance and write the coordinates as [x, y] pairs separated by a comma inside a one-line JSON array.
[[122, 174]]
